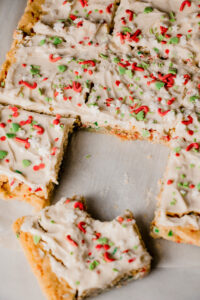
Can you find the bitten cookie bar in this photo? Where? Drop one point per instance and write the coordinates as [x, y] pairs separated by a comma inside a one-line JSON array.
[[66, 247], [31, 151]]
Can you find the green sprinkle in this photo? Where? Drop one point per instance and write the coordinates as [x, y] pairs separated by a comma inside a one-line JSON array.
[[77, 282], [177, 149], [156, 50], [96, 124], [160, 37], [159, 85], [172, 17], [52, 221], [3, 154], [116, 60], [148, 9], [114, 251], [126, 29], [48, 99], [2, 83], [26, 162], [15, 127], [17, 235], [35, 70], [88, 156], [174, 40], [71, 253], [102, 241], [103, 56], [129, 73], [122, 70], [19, 172], [170, 233], [10, 135], [140, 116], [143, 65], [156, 230], [198, 187], [57, 40], [62, 68], [173, 202], [93, 265], [145, 133], [42, 42], [40, 91], [115, 270], [193, 98], [192, 165], [36, 239], [173, 71]]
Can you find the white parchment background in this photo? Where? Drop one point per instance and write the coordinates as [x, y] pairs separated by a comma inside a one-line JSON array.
[[112, 175]]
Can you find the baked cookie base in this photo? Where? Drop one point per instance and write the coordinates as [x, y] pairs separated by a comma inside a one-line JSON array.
[[178, 234], [23, 193]]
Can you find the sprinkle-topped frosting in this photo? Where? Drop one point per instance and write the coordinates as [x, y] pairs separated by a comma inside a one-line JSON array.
[[80, 247], [132, 67], [30, 147]]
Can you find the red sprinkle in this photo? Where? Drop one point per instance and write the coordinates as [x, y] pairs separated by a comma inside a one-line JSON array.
[[79, 205], [191, 146], [40, 129], [23, 141], [80, 226], [188, 122], [72, 242], [162, 113], [32, 87], [107, 257], [170, 181], [143, 107], [53, 60], [77, 87], [2, 125], [83, 3], [131, 260], [88, 62], [184, 3], [130, 13], [108, 8]]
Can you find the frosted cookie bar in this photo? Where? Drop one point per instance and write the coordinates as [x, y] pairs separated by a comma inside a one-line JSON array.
[[177, 215], [31, 152], [74, 256]]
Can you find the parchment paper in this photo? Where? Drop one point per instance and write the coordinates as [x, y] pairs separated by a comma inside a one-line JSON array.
[[113, 176]]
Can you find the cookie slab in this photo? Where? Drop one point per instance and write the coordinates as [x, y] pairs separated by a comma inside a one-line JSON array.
[[65, 247], [31, 152]]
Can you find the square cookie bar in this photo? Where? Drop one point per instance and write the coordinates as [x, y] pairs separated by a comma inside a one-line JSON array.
[[31, 152], [74, 256]]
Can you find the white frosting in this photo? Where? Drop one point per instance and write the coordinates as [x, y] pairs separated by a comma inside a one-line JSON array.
[[118, 240]]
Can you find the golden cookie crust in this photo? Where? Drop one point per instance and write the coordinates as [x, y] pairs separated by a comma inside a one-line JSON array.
[[31, 15], [178, 234], [23, 193]]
